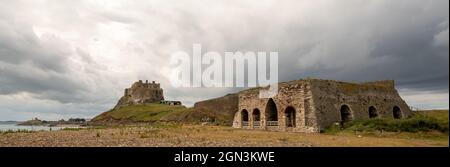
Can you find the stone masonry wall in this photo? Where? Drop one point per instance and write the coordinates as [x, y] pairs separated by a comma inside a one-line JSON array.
[[294, 94], [329, 96], [317, 104]]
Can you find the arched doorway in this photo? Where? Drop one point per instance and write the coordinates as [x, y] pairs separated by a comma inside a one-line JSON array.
[[244, 116], [397, 112], [290, 116], [271, 113], [346, 114], [256, 117], [373, 113]]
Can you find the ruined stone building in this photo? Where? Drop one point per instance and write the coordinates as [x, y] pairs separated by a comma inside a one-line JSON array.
[[140, 93], [310, 105]]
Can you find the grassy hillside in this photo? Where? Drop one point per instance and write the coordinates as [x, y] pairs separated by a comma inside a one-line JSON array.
[[428, 124], [143, 113], [440, 115], [146, 113]]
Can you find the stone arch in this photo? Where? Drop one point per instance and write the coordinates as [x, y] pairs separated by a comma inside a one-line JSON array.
[[244, 118], [271, 113], [397, 112], [256, 115], [244, 115], [346, 114], [373, 113], [289, 113]]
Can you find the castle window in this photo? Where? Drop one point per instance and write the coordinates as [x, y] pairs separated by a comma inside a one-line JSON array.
[[373, 112]]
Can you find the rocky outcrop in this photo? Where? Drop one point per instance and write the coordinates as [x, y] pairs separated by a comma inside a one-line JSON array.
[[38, 122]]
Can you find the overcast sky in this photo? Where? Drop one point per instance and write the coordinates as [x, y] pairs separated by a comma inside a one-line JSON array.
[[65, 58]]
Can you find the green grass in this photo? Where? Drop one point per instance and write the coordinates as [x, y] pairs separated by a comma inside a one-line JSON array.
[[146, 113], [440, 115], [422, 124], [151, 113], [73, 129]]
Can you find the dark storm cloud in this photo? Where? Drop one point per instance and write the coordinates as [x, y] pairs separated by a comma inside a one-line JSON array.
[[405, 41], [32, 64], [354, 41], [81, 54], [395, 43]]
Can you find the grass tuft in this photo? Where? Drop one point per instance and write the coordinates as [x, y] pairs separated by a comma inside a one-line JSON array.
[[423, 121]]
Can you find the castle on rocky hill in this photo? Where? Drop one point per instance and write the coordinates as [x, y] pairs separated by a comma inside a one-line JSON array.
[[140, 93]]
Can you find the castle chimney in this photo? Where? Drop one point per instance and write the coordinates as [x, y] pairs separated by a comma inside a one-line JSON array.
[[153, 82], [146, 81]]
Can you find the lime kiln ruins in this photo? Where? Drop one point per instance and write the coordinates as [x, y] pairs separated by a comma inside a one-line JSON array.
[[310, 105]]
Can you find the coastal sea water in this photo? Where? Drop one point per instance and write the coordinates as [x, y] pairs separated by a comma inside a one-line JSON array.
[[12, 126]]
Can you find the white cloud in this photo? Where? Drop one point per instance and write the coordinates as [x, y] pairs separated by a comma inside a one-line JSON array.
[[441, 39], [426, 99]]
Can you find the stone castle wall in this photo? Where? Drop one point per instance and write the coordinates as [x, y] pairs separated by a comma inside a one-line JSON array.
[[140, 93]]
